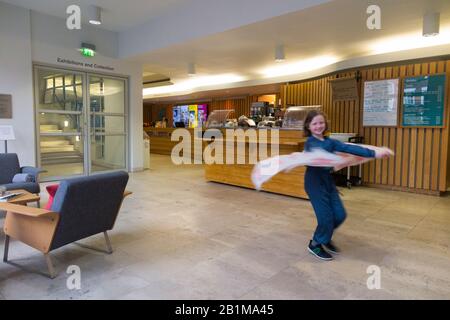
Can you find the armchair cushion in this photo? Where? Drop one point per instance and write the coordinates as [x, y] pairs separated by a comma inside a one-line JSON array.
[[22, 177], [33, 172], [31, 187], [51, 189]]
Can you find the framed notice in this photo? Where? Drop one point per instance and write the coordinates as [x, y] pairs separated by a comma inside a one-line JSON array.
[[344, 89], [423, 101], [5, 106], [380, 103]]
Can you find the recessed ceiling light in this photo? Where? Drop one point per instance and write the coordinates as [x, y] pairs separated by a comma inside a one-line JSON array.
[[191, 69], [430, 24], [279, 53], [95, 15]]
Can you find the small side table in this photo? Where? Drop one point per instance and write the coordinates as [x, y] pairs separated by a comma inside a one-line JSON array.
[[24, 198]]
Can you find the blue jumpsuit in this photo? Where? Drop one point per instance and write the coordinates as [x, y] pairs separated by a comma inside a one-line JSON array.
[[321, 189]]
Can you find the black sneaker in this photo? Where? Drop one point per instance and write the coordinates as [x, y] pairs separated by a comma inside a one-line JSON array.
[[319, 252], [330, 247]]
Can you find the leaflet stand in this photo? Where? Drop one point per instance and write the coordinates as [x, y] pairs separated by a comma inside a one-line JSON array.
[[359, 178], [7, 133]]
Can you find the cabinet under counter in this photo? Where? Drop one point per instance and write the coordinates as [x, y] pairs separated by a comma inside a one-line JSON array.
[[238, 172]]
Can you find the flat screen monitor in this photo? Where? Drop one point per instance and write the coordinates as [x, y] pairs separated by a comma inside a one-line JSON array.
[[176, 115], [193, 120], [184, 111], [202, 111]]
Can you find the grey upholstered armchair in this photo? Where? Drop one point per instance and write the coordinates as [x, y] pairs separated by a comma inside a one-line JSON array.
[[10, 168], [82, 207]]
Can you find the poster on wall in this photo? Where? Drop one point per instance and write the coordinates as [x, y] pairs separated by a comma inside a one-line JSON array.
[[176, 115], [380, 103], [184, 112], [193, 122], [202, 110], [5, 106], [423, 101]]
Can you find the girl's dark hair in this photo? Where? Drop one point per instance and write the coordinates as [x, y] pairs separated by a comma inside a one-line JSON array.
[[309, 117]]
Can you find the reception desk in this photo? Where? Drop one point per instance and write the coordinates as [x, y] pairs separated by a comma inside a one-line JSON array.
[[239, 173], [160, 142], [215, 144]]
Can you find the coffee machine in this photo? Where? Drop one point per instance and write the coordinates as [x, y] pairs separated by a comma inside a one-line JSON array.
[[259, 110]]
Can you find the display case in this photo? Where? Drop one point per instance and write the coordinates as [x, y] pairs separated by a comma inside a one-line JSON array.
[[294, 116], [218, 118]]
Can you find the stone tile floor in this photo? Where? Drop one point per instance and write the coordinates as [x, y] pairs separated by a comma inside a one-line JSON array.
[[179, 237]]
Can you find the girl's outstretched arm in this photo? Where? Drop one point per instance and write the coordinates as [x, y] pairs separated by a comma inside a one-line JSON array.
[[353, 149]]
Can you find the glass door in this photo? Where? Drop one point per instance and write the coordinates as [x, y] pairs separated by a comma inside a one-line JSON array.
[[60, 108], [81, 122], [108, 130]]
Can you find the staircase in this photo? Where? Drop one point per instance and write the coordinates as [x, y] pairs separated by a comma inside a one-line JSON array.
[[53, 146], [57, 149], [49, 128]]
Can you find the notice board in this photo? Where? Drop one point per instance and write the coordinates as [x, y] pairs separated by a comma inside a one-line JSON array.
[[423, 101], [5, 106], [380, 103], [344, 89]]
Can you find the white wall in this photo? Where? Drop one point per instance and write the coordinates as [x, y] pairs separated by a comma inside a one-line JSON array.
[[52, 33], [16, 79], [48, 40], [112, 155]]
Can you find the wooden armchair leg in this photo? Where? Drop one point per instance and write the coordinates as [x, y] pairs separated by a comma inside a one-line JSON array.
[[5, 252], [51, 270], [108, 243]]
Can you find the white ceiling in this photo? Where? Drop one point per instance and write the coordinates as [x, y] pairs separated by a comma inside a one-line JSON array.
[[337, 28], [117, 15], [230, 93]]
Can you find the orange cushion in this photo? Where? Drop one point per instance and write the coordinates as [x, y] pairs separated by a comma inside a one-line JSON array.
[[51, 189]]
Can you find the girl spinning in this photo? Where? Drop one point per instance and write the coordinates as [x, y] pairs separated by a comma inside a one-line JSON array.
[[320, 186]]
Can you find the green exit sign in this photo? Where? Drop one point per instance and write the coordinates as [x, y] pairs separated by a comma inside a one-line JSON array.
[[87, 52]]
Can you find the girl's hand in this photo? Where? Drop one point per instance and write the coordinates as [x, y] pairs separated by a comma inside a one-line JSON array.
[[383, 153]]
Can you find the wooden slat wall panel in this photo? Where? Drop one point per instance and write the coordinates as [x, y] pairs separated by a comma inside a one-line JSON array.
[[152, 112], [393, 141], [385, 163], [427, 159], [398, 158], [448, 123], [435, 159], [422, 154], [412, 157], [405, 156], [445, 136]]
